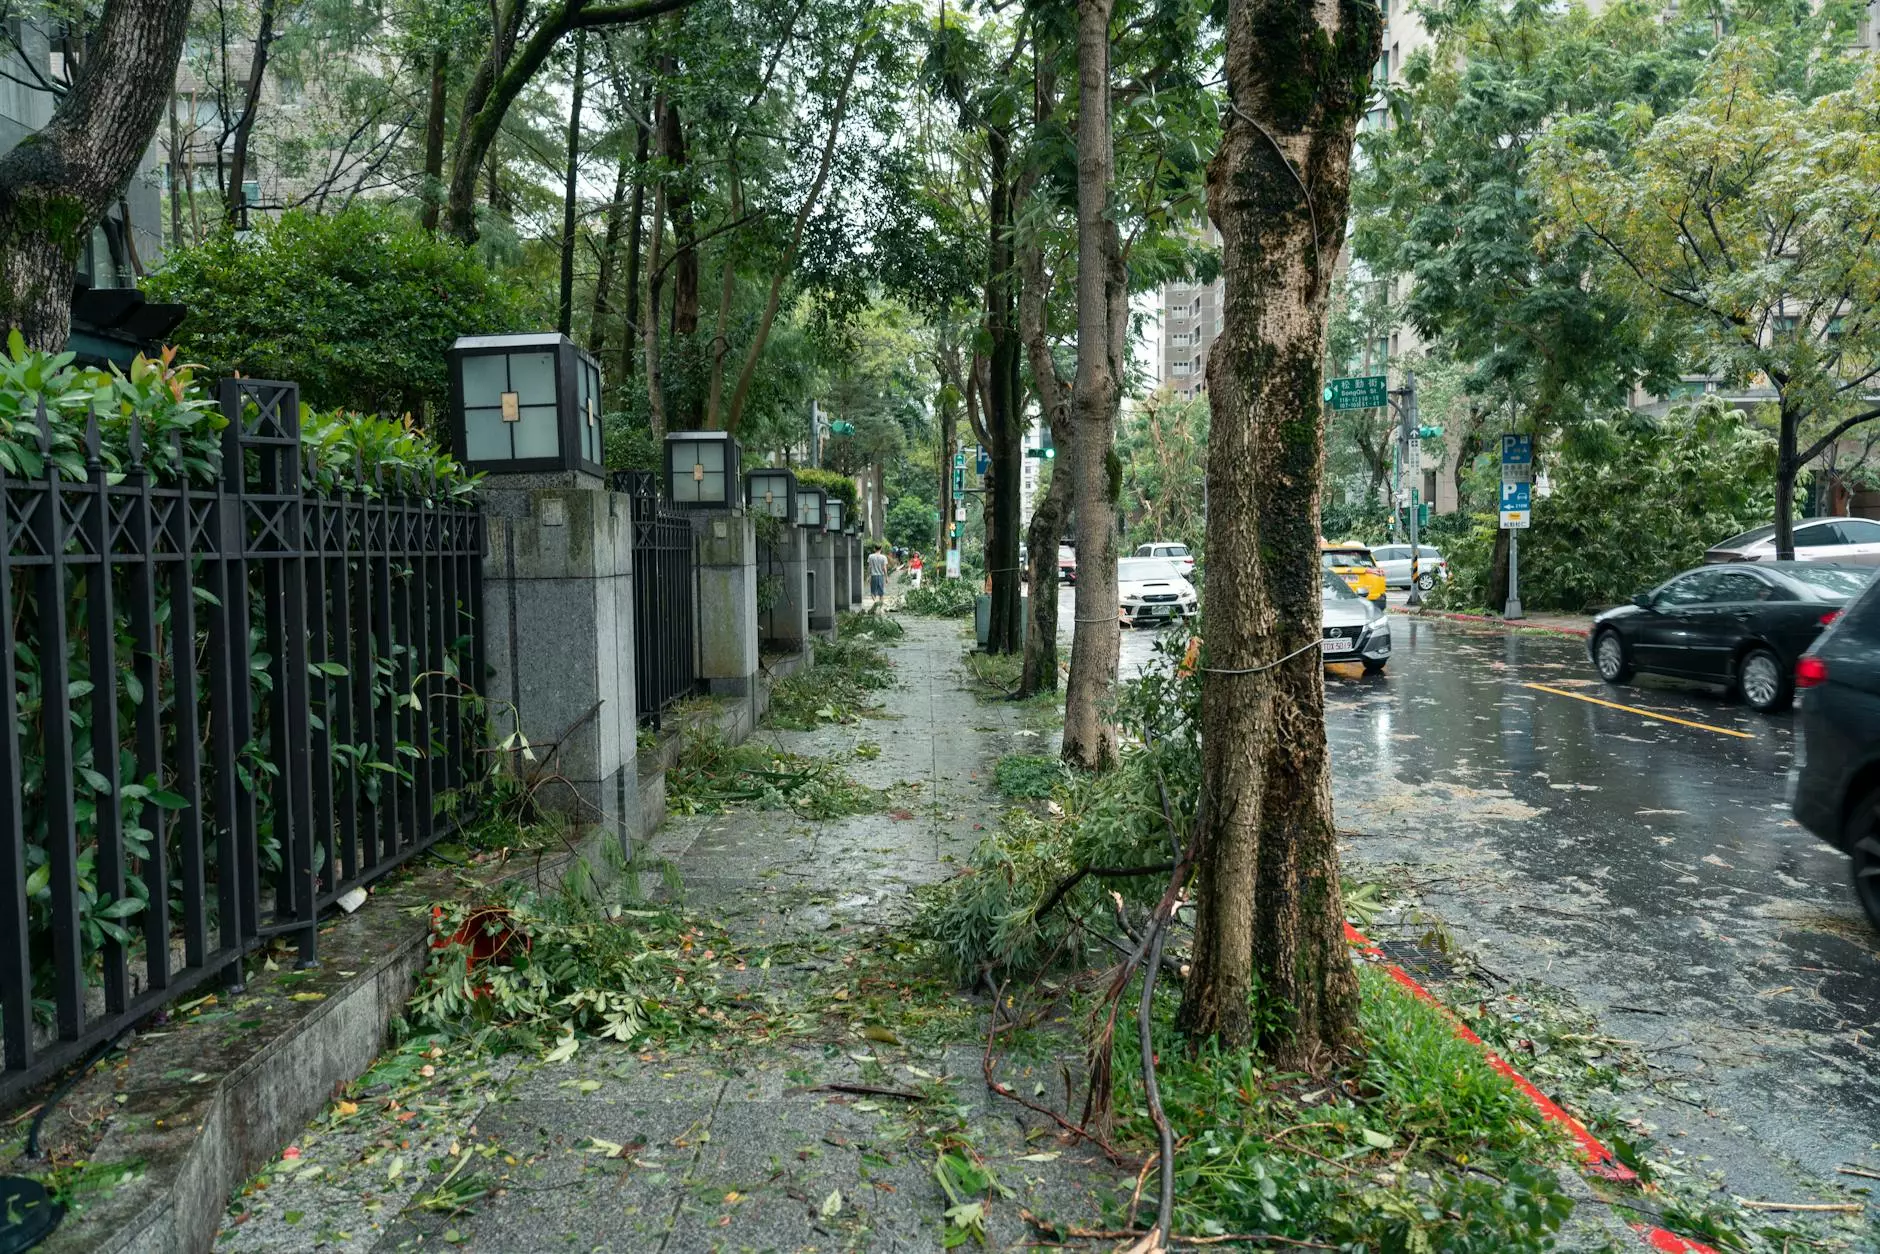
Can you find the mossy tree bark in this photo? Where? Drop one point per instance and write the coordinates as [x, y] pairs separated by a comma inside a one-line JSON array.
[[1051, 511], [1269, 910], [57, 185], [1095, 473]]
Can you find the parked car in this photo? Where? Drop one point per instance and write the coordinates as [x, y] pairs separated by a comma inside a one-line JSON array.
[[1847, 541], [1741, 625], [1353, 626], [1394, 561], [1067, 564], [1354, 564], [1173, 551], [1151, 591], [1835, 783]]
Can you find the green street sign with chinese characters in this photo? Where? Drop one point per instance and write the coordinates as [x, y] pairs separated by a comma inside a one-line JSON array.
[[1366, 391]]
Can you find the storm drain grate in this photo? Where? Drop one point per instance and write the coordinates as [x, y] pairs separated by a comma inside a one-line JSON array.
[[1418, 959]]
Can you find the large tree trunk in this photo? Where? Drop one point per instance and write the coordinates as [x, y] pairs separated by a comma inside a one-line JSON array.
[[1051, 512], [609, 257], [1788, 466], [1102, 295], [636, 227], [1269, 909], [58, 185], [569, 202], [1004, 437]]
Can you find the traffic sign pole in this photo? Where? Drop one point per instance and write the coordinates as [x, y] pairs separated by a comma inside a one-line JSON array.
[[1407, 438], [1517, 476]]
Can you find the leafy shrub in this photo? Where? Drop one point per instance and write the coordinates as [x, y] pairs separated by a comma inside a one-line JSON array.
[[712, 776], [534, 969], [941, 598], [869, 626], [1635, 500], [1023, 777], [985, 918], [837, 687], [839, 486], [910, 522], [1258, 1157], [357, 307]]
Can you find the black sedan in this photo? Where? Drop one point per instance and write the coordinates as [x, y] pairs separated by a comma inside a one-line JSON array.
[[1741, 625]]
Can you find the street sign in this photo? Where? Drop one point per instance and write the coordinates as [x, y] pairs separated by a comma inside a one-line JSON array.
[[1413, 464], [1367, 391], [959, 513], [959, 480], [1517, 480], [959, 460], [984, 461], [953, 563]]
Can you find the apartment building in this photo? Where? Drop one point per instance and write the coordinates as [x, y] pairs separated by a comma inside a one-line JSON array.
[[1191, 320]]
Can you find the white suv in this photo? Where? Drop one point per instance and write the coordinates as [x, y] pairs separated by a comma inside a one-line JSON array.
[[1394, 561], [1171, 551]]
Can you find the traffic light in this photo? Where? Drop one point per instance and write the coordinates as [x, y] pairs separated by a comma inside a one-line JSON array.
[[841, 428], [1428, 433]]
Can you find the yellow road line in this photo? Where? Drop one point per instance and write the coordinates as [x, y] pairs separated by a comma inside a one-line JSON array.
[[1614, 705]]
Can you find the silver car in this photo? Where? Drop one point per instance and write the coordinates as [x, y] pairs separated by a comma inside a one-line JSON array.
[[1353, 628], [1394, 561], [1844, 541]]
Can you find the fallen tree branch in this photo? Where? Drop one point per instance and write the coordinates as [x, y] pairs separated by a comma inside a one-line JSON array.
[[868, 1090], [1119, 1234], [1844, 1208], [1165, 1204], [985, 1063], [1104, 872]]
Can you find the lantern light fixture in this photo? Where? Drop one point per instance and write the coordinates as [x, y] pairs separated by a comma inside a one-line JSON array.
[[702, 470], [771, 490], [809, 508], [528, 402], [832, 513]]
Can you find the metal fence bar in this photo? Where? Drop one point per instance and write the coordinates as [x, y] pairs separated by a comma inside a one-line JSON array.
[[665, 667], [148, 588]]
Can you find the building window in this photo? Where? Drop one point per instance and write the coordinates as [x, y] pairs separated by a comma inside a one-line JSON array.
[[1784, 326]]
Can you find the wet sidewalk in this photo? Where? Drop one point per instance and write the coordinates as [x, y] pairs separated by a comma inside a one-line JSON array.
[[736, 1143]]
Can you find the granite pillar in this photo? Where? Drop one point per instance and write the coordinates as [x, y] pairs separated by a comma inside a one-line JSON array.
[[821, 569], [786, 621], [558, 596], [727, 602], [844, 581]]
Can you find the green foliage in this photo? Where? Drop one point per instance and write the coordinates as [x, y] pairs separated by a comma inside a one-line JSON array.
[[712, 776], [910, 522], [1429, 1148], [1634, 502], [838, 687], [940, 598], [529, 969], [357, 307], [1779, 163], [869, 626], [986, 918], [839, 486], [1024, 777], [1162, 446]]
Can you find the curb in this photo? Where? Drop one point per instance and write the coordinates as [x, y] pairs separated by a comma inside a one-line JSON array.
[[1490, 620], [1598, 1159]]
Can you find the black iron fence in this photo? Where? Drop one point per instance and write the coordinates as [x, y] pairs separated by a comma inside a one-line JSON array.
[[665, 658], [221, 708]]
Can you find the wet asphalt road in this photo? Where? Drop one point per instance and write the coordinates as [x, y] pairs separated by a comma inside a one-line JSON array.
[[1649, 868]]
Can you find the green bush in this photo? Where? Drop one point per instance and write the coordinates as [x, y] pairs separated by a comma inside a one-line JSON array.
[[1024, 777], [1634, 501], [839, 486], [941, 598], [357, 307], [911, 523]]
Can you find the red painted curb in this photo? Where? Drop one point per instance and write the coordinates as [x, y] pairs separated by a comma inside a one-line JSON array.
[[1600, 1161], [1496, 622]]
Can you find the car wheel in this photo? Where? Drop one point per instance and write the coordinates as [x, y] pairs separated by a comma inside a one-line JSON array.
[[1376, 668], [1426, 581], [1864, 845], [1612, 658], [1765, 685]]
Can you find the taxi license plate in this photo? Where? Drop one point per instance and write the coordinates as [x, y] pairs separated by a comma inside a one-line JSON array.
[[1337, 644]]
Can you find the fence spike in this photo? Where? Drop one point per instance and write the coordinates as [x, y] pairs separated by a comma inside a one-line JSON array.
[[91, 437], [45, 426], [137, 440]]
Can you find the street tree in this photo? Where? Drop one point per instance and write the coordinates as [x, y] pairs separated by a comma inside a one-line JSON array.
[[57, 184], [1269, 906], [1746, 223]]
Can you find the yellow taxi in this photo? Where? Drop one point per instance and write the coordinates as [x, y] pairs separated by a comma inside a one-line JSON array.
[[1354, 564]]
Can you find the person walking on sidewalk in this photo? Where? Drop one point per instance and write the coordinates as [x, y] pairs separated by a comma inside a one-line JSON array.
[[914, 566], [877, 574]]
